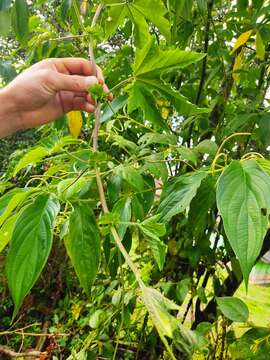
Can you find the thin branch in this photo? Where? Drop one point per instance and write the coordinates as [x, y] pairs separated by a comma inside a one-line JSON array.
[[98, 178], [93, 24], [13, 354], [206, 44], [67, 37], [102, 197], [203, 72]]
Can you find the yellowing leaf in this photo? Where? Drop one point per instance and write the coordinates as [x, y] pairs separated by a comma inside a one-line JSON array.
[[165, 112], [76, 311], [237, 66], [75, 122], [158, 307], [260, 48], [243, 38]]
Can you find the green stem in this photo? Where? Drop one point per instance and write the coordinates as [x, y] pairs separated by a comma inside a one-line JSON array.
[[123, 82]]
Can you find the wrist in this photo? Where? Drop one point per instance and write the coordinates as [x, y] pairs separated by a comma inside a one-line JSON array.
[[9, 116]]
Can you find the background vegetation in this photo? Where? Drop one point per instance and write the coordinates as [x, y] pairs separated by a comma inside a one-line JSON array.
[[150, 269]]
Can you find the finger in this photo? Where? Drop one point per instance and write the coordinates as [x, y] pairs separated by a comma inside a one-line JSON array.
[[100, 75], [74, 83], [81, 104], [85, 95], [72, 66], [90, 100], [101, 80], [107, 91]]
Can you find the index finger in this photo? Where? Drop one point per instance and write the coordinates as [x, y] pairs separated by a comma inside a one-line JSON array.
[[75, 66]]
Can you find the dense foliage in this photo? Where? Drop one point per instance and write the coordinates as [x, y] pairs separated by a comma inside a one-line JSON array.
[[163, 215]]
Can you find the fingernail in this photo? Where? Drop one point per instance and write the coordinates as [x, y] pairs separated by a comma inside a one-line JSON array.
[[90, 81]]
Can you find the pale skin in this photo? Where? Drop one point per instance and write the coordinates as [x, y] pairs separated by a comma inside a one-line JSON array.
[[47, 90]]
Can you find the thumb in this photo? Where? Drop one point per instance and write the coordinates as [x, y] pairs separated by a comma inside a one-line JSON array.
[[74, 83]]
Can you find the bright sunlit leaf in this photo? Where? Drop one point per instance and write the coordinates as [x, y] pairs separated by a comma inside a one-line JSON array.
[[243, 38]]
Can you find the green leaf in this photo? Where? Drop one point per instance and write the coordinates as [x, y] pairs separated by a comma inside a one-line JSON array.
[[30, 246], [260, 47], [132, 176], [187, 154], [183, 9], [14, 202], [124, 143], [233, 308], [65, 8], [115, 18], [177, 194], [157, 17], [97, 93], [151, 61], [5, 199], [252, 345], [123, 209], [264, 163], [4, 4], [6, 231], [244, 207], [156, 138], [178, 101], [153, 230], [207, 147], [113, 188], [263, 130], [97, 318], [202, 6], [156, 166], [242, 5], [31, 158], [158, 307], [70, 188], [200, 205], [182, 289], [149, 65], [138, 12], [141, 98], [83, 245], [116, 105], [20, 20], [5, 23], [201, 295], [7, 71]]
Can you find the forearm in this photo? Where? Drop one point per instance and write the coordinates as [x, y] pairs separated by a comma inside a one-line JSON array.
[[9, 117]]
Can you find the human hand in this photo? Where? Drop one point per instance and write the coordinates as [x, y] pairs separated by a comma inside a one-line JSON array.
[[47, 90]]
